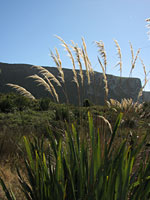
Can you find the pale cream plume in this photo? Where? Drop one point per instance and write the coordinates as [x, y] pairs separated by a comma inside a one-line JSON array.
[[48, 74], [105, 80], [64, 44], [102, 52], [21, 90], [119, 56]]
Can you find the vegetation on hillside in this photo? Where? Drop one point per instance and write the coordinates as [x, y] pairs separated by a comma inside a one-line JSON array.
[[86, 152]]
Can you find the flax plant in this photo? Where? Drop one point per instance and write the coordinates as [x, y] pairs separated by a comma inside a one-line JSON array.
[[75, 168]]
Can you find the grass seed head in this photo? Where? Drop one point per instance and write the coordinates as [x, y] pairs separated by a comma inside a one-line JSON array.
[[21, 90]]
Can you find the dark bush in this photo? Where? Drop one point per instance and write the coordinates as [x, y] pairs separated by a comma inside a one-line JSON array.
[[22, 102], [44, 104], [6, 105], [87, 103]]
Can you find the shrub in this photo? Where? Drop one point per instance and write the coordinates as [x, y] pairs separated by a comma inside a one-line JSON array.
[[44, 104], [6, 105], [87, 103], [22, 102]]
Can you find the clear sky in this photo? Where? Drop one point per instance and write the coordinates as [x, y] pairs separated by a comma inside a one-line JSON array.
[[27, 29]]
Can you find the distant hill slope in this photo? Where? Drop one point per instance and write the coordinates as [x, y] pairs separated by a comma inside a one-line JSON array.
[[118, 87]]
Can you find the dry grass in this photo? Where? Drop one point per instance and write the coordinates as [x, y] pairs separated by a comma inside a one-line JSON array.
[[84, 48], [47, 74], [126, 106], [102, 52], [47, 85], [148, 26], [11, 179], [145, 79], [119, 56], [81, 57], [78, 53], [58, 63], [107, 123], [64, 44], [21, 90], [134, 59], [105, 80]]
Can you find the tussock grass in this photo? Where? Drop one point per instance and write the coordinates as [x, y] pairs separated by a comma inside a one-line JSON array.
[[126, 106]]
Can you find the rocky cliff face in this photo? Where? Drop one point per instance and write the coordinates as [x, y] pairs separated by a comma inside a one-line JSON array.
[[146, 96], [118, 87]]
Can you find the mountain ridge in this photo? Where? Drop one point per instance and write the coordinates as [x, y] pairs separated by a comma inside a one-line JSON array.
[[119, 88]]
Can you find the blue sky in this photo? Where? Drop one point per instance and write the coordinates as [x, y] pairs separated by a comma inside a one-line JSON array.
[[27, 30]]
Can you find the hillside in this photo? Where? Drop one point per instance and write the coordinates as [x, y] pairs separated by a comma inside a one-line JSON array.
[[118, 87]]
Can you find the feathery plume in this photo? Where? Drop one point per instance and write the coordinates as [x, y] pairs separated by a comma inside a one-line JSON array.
[[148, 27], [48, 74], [64, 44], [105, 80], [42, 82], [134, 60], [102, 52], [107, 122], [132, 53], [53, 89], [58, 63], [119, 56], [145, 80], [77, 53], [89, 66], [21, 90], [86, 65]]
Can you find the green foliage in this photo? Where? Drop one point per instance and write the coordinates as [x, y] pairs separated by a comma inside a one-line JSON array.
[[44, 104], [84, 167], [62, 113], [22, 102], [12, 102], [6, 104]]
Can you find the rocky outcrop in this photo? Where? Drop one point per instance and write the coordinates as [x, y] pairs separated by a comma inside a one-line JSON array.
[[146, 96], [118, 87]]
